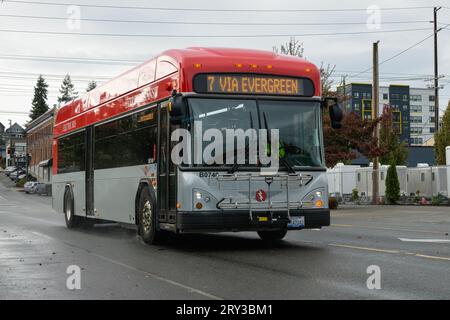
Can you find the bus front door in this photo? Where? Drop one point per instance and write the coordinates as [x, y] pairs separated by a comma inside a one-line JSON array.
[[166, 170]]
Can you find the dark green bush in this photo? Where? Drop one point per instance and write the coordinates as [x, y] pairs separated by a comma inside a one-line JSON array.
[[392, 185], [438, 200], [21, 182], [355, 195]]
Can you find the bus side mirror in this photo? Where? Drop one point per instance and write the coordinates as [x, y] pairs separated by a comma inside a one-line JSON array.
[[335, 111], [177, 108]]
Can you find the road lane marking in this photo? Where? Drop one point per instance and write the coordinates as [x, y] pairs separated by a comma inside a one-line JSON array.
[[363, 248], [384, 228], [432, 257], [172, 282], [42, 235], [390, 251], [425, 240]]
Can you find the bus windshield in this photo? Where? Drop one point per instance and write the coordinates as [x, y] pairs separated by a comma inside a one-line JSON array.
[[298, 122]]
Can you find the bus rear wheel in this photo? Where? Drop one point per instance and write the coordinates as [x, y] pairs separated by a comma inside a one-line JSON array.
[[272, 235], [148, 228], [72, 221]]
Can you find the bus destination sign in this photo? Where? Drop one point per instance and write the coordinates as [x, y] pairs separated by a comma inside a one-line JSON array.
[[253, 84]]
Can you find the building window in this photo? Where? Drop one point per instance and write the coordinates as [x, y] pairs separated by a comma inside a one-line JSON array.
[[432, 119], [431, 98], [405, 97], [416, 108], [416, 97], [432, 109], [395, 96], [416, 119], [356, 106], [432, 130], [416, 130], [422, 177], [359, 177], [356, 94], [382, 176], [385, 96]]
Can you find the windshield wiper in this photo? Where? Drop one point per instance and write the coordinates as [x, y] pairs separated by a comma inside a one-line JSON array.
[[269, 140], [287, 165]]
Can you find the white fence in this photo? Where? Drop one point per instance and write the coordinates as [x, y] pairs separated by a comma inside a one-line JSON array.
[[424, 181]]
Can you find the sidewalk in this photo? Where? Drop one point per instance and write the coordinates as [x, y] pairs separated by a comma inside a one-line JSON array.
[[6, 181]]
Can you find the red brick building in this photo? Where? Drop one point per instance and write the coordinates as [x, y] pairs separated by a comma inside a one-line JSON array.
[[39, 135]]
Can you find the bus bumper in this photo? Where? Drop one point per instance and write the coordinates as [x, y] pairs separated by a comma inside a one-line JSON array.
[[239, 220]]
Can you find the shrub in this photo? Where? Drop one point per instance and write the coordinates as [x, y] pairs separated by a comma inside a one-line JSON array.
[[21, 182], [438, 200], [392, 185], [332, 203], [355, 195]]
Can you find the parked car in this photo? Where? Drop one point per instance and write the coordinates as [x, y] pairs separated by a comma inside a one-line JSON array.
[[8, 170], [30, 187], [13, 175], [43, 188]]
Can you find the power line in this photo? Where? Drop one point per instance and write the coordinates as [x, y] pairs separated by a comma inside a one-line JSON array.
[[391, 73], [49, 75], [400, 53], [34, 79], [69, 59], [213, 23], [395, 56], [210, 36], [210, 10]]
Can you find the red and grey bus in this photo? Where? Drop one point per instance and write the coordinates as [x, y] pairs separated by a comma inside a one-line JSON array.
[[112, 146]]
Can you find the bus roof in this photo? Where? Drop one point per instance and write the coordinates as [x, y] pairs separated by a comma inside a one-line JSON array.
[[174, 69]]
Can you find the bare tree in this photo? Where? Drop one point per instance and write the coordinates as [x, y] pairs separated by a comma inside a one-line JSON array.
[[326, 79], [292, 48], [295, 48]]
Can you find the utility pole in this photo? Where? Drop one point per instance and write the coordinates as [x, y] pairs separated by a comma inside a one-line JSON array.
[[436, 69], [375, 103], [10, 144]]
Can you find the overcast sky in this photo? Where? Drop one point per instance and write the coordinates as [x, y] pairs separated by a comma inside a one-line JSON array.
[[350, 53]]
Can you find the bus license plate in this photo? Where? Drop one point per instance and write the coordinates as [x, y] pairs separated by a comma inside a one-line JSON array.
[[297, 222]]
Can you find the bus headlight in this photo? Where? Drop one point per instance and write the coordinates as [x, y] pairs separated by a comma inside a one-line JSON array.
[[314, 199], [203, 200]]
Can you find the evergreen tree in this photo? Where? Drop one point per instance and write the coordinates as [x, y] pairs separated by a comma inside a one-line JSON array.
[[91, 85], [392, 185], [39, 103], [442, 137], [67, 91]]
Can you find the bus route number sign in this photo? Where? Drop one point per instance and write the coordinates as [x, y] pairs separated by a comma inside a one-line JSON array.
[[253, 84]]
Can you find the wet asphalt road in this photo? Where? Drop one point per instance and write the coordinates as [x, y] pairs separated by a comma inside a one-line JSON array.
[[36, 249]]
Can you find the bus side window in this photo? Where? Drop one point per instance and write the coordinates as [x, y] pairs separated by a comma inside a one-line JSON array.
[[164, 68]]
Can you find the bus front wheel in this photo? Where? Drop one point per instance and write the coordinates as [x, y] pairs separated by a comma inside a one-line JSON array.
[[148, 228], [72, 221], [272, 235]]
